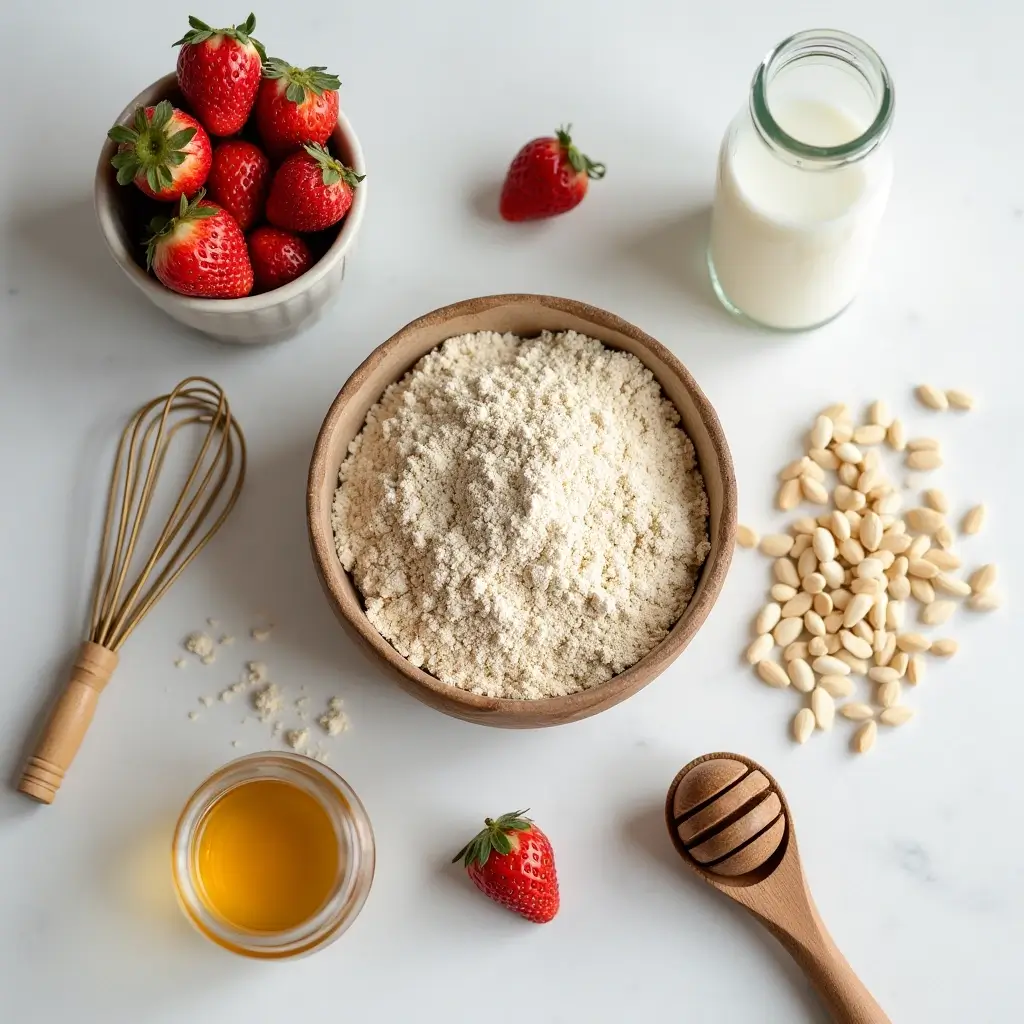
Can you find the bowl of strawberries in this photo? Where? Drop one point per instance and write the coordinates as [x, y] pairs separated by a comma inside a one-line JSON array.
[[231, 191]]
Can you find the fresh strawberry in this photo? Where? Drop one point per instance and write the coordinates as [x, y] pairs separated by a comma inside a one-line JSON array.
[[277, 257], [295, 106], [311, 190], [165, 152], [512, 862], [219, 71], [548, 176], [239, 179], [200, 252]]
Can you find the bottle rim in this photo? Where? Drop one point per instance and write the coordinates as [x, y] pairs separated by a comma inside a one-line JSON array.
[[837, 46], [355, 845]]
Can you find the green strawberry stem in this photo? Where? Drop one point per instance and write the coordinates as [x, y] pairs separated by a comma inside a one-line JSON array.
[[149, 147], [498, 835], [200, 32], [316, 79], [578, 160], [333, 170], [188, 210]]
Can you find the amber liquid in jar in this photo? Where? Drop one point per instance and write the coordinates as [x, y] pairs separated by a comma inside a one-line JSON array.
[[267, 856]]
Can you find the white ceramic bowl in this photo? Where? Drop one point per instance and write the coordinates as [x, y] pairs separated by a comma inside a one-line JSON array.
[[257, 319]]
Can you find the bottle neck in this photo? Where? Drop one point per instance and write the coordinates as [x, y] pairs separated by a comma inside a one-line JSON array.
[[828, 71]]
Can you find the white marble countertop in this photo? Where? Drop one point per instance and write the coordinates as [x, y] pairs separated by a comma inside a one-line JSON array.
[[912, 852]]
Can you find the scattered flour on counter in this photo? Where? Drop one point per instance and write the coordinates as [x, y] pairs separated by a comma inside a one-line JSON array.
[[201, 645], [524, 519]]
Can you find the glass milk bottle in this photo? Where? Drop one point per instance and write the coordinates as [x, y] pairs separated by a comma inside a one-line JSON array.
[[803, 179]]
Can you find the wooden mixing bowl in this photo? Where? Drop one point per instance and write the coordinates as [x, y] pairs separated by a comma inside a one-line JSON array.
[[527, 316]]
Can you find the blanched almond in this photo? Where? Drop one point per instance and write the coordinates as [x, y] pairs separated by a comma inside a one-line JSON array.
[[813, 470], [857, 712], [837, 411], [806, 563], [833, 622], [895, 542], [959, 399], [852, 551], [887, 694], [787, 631], [919, 546], [833, 573], [868, 585], [855, 645], [831, 643], [923, 569], [983, 578], [988, 601], [951, 585], [772, 673], [879, 611], [800, 675], [913, 643], [944, 648], [931, 397], [775, 545], [870, 568], [789, 495], [782, 592], [887, 653], [785, 572], [915, 670], [814, 490], [848, 474], [871, 531], [823, 604], [814, 583], [889, 505], [900, 661], [944, 537], [827, 665], [746, 537], [868, 481], [792, 471], [923, 444], [864, 631], [864, 738], [824, 458], [847, 498], [848, 452], [899, 588], [869, 433], [768, 618], [936, 499], [859, 606], [803, 725], [878, 412], [858, 666], [842, 431], [840, 599], [973, 520], [924, 520], [817, 647], [824, 544], [797, 607], [824, 708], [922, 590], [821, 432], [897, 564], [836, 686], [839, 525], [896, 436], [797, 649], [943, 559], [760, 648], [895, 614], [814, 624], [898, 714], [883, 674], [936, 613], [801, 543], [923, 462]]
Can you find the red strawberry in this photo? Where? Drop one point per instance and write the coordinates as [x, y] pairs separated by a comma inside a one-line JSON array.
[[219, 71], [239, 179], [547, 176], [200, 252], [311, 190], [277, 257], [295, 106], [512, 862], [165, 152]]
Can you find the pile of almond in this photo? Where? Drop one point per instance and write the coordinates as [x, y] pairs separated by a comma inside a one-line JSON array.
[[848, 582]]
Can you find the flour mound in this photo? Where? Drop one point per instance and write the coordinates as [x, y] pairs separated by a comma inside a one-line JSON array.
[[524, 519]]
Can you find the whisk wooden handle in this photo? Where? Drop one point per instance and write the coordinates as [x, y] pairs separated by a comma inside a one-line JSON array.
[[68, 723]]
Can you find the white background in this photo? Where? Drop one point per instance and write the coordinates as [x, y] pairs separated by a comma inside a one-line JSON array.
[[913, 852]]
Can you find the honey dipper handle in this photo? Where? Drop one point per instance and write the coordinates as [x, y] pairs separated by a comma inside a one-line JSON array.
[[844, 994], [68, 723]]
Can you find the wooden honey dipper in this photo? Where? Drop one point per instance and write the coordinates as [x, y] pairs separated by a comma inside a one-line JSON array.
[[731, 824], [120, 600]]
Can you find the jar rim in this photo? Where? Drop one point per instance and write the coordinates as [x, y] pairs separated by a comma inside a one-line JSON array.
[[355, 844], [836, 45]]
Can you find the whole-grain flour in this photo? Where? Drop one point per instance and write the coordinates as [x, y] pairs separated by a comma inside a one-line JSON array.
[[524, 518]]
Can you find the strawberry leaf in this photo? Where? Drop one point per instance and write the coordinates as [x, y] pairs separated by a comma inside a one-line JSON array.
[[126, 174], [141, 121], [121, 133], [180, 139], [295, 92], [162, 114]]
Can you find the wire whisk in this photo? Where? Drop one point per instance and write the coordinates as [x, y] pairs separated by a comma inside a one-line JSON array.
[[205, 500]]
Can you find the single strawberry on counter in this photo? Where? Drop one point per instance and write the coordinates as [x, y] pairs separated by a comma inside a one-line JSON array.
[[219, 72], [311, 190], [548, 176], [164, 151], [512, 862], [277, 257], [295, 105], [200, 252], [239, 180]]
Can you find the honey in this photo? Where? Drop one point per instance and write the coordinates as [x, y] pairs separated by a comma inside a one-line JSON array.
[[267, 856], [273, 856]]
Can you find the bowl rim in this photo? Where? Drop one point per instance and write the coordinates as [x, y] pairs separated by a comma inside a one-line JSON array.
[[619, 686], [104, 202]]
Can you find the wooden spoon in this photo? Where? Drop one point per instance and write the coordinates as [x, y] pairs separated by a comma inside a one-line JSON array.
[[730, 822]]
